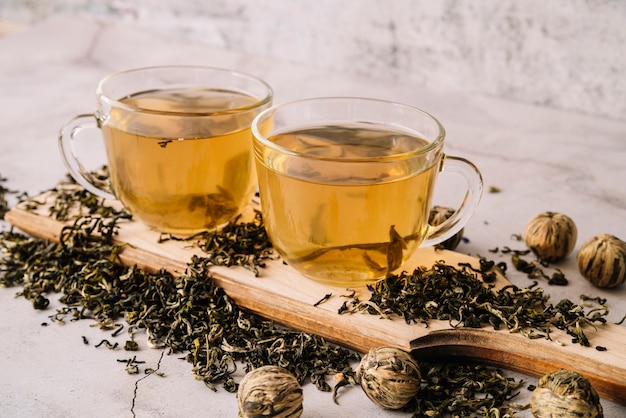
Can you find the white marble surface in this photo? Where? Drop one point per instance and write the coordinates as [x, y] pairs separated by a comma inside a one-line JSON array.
[[566, 54], [541, 159]]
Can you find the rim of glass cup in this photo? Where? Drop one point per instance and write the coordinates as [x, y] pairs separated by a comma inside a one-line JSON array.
[[119, 104], [434, 144]]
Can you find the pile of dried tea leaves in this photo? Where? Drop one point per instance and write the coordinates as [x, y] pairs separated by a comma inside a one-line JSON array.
[[244, 244], [186, 314], [464, 390], [459, 296], [189, 314]]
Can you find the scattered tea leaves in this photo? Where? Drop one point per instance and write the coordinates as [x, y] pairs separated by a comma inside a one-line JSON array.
[[4, 205], [190, 314], [180, 314], [243, 244], [464, 390], [323, 299], [533, 270], [458, 296]]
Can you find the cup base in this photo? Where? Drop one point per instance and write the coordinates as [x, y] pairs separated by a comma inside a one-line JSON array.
[[184, 233]]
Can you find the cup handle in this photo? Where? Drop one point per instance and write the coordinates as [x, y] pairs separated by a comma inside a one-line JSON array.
[[70, 131], [474, 191]]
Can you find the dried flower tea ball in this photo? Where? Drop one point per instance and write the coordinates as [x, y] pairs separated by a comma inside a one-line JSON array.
[[602, 260], [438, 214], [551, 235], [565, 394], [389, 376], [269, 391]]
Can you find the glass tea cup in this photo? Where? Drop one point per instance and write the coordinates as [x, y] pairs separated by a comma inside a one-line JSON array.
[[346, 185], [178, 144]]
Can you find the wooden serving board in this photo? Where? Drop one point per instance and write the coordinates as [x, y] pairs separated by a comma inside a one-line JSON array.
[[283, 295]]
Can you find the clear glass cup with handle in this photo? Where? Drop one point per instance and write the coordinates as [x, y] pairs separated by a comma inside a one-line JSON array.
[[178, 144], [346, 185]]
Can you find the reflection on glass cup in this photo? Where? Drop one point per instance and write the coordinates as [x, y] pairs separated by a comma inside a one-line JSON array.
[[346, 185], [178, 144]]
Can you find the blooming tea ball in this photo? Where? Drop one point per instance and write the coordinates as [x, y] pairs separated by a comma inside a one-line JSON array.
[[602, 260], [389, 376], [551, 235], [564, 394], [269, 391]]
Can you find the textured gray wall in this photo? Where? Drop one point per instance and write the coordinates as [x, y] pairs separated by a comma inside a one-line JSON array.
[[566, 54]]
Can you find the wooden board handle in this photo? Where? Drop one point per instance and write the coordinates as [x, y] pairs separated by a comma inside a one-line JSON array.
[[606, 370]]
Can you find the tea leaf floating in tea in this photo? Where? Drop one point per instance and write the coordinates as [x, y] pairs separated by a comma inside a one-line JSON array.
[[216, 206], [392, 249]]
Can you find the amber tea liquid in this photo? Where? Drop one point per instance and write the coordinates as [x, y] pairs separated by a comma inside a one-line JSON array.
[[346, 224], [188, 173]]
